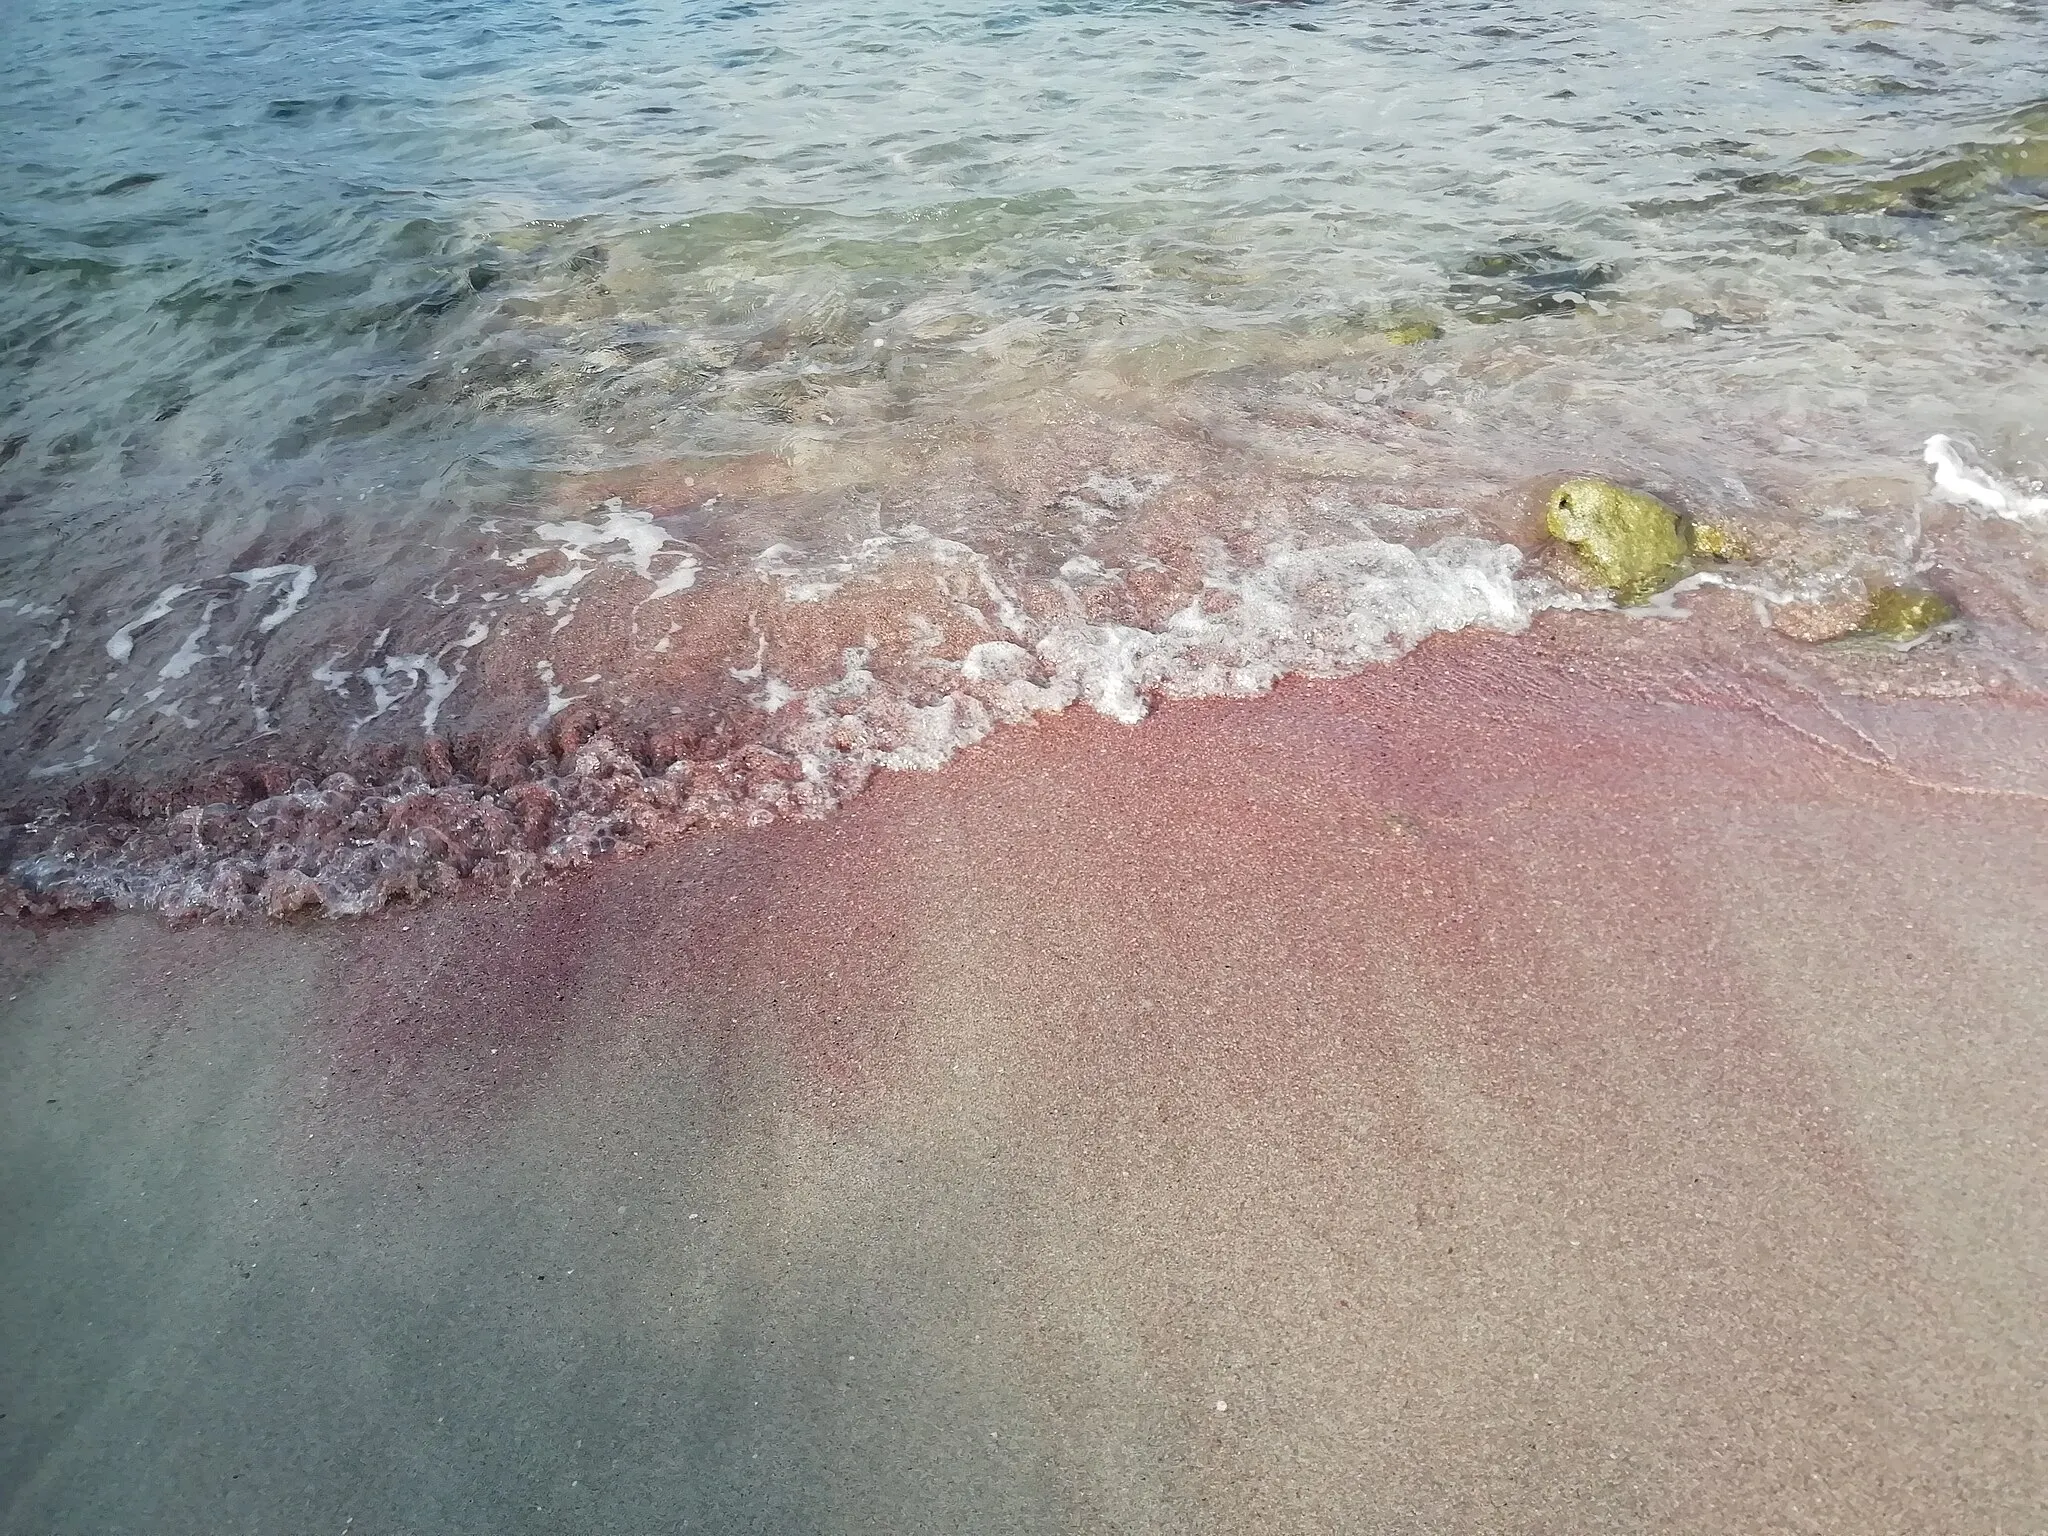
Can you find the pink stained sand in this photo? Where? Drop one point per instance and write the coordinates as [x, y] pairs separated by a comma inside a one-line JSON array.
[[1503, 1091]]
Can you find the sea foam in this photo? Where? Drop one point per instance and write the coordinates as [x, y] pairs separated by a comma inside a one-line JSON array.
[[347, 845], [1961, 479]]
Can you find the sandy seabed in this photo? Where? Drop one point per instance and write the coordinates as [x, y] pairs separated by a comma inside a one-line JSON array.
[[1476, 1096]]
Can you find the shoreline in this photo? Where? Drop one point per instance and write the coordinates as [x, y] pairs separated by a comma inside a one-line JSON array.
[[396, 824], [1521, 1098]]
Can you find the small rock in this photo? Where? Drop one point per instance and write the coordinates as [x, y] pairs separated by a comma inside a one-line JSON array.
[[1408, 333], [1891, 613], [1903, 613], [1718, 541], [1815, 622]]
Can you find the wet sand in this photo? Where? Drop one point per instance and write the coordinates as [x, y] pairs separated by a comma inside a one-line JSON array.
[[1483, 1095]]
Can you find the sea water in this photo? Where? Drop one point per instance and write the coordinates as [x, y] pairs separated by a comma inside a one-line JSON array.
[[459, 440]]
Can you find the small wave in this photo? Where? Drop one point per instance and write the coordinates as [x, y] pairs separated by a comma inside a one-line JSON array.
[[1961, 479], [509, 810]]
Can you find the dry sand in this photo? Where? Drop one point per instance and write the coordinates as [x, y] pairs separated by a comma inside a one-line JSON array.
[[1481, 1096]]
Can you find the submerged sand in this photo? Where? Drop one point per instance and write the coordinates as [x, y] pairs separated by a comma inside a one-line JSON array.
[[1482, 1095]]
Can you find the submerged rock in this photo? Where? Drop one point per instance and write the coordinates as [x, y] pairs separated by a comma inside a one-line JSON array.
[[1989, 182], [1903, 613], [1407, 333], [1519, 282], [1628, 540], [1888, 613], [1816, 622], [1718, 541]]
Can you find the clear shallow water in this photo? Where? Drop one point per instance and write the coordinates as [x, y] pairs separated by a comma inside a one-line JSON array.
[[898, 332]]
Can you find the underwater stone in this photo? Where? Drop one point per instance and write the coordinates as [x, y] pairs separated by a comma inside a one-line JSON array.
[[1891, 613], [1717, 541], [1901, 613], [1630, 541], [1814, 622], [1521, 283], [1408, 333]]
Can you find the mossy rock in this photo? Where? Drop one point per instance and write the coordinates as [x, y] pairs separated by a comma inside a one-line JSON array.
[[1904, 613], [1718, 541], [1630, 541], [1408, 333], [1969, 174]]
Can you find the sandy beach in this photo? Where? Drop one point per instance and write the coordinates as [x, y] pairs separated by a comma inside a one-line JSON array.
[[1216, 767], [1484, 1095]]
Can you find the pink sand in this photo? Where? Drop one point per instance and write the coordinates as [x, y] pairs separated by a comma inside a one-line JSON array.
[[1493, 1094]]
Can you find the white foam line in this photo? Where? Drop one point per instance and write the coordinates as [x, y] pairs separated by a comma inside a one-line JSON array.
[[644, 542], [634, 529], [557, 700], [813, 584], [416, 672], [301, 578], [679, 579], [331, 677], [395, 679], [552, 591], [13, 682], [51, 770], [121, 644], [442, 687], [189, 655], [1665, 605], [759, 669], [1317, 612], [384, 678], [1959, 479]]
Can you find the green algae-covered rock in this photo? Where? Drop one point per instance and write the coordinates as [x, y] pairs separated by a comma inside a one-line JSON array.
[[1628, 540], [1407, 333], [1902, 613], [1717, 541]]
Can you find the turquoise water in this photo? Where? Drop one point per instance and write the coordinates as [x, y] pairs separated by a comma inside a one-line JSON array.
[[324, 335]]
